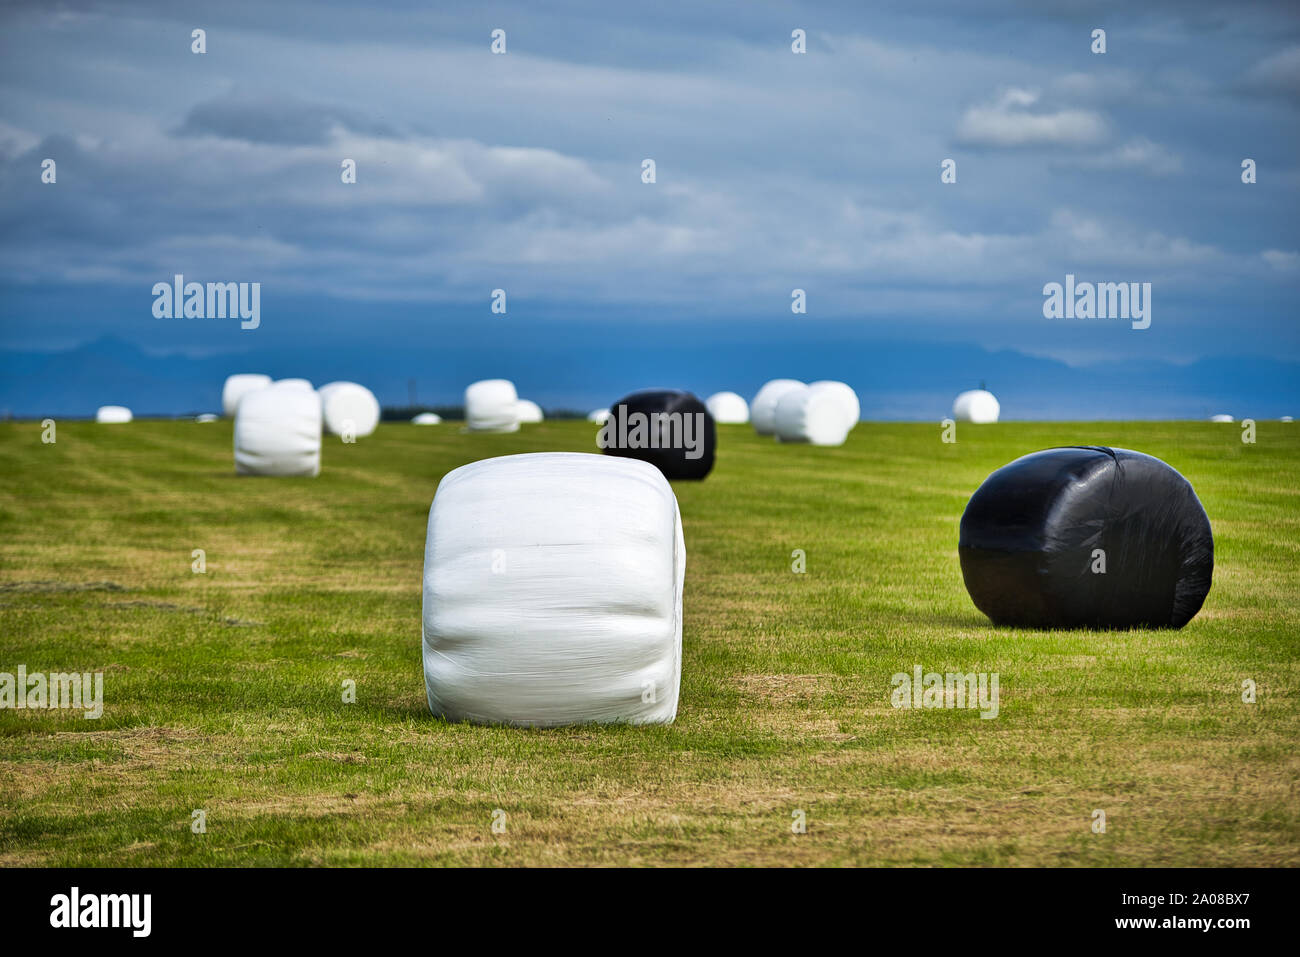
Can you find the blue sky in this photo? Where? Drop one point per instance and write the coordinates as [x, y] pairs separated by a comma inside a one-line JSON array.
[[775, 171]]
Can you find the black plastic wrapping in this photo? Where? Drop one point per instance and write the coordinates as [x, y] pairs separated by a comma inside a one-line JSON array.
[[1029, 537], [674, 461]]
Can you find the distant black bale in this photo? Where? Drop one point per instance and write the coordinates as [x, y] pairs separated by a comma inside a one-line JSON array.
[[671, 430], [1037, 534]]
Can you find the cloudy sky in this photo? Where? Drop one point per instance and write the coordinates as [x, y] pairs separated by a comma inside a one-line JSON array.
[[775, 171]]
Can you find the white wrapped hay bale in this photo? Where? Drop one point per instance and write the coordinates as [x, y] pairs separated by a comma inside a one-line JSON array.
[[599, 416], [427, 418], [239, 385], [847, 397], [553, 592], [1221, 417], [295, 384], [817, 415], [348, 409], [492, 405], [278, 432], [207, 417], [727, 408], [113, 414], [762, 411], [977, 406], [528, 411]]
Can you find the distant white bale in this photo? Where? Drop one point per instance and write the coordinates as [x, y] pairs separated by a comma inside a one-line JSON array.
[[346, 403], [848, 398], [277, 432], [237, 386], [1221, 417], [1286, 418], [762, 411], [113, 414], [599, 416], [553, 592], [727, 408], [492, 406], [295, 383], [529, 411], [206, 417], [816, 415], [976, 406], [426, 418]]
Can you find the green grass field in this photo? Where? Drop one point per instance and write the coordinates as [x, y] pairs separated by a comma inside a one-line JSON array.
[[223, 691]]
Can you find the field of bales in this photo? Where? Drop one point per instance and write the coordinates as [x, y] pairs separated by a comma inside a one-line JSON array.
[[224, 691]]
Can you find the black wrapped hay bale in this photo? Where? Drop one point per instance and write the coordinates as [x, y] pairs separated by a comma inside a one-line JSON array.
[[670, 429], [1086, 537]]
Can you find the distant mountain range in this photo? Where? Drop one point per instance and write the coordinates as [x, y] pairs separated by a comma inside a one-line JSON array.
[[895, 380]]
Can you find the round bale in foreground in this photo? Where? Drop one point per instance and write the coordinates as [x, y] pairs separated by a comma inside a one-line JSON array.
[[239, 385], [113, 414], [1086, 537], [553, 592], [277, 432], [727, 408], [348, 409], [670, 429]]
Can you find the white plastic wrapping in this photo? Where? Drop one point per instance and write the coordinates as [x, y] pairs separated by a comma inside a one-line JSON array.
[[207, 417], [346, 403], [277, 432], [976, 406], [295, 384], [239, 385], [816, 414], [113, 414], [762, 411], [599, 416], [528, 411], [727, 408], [848, 398], [492, 405], [1221, 417], [553, 592], [427, 418]]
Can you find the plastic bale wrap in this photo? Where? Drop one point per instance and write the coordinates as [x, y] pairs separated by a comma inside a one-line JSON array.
[[427, 418], [848, 398], [345, 404], [1086, 537], [680, 447], [553, 592], [529, 412], [976, 406], [113, 414], [278, 432], [295, 384], [239, 385], [762, 411], [599, 416], [492, 405], [727, 408], [818, 415]]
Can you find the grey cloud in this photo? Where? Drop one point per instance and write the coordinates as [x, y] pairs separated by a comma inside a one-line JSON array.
[[284, 122]]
